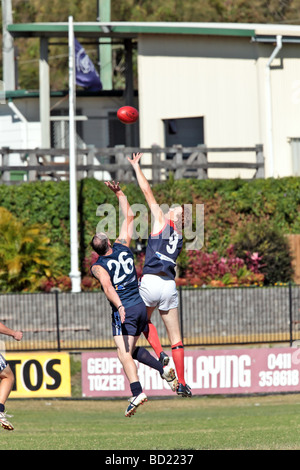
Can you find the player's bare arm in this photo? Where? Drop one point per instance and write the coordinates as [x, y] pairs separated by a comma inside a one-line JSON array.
[[16, 334], [159, 218], [115, 187], [126, 230], [103, 277]]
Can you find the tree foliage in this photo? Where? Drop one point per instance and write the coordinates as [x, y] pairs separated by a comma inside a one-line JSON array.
[[233, 11], [234, 211], [272, 245], [25, 254]]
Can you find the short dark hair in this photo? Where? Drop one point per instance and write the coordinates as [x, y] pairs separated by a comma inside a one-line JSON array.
[[99, 244]]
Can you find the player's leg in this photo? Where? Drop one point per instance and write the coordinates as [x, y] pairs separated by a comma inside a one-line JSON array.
[[171, 322], [135, 324], [125, 347], [150, 292], [7, 380], [167, 373], [168, 309], [152, 337]]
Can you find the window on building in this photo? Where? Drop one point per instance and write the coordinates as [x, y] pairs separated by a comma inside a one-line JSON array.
[[188, 132]]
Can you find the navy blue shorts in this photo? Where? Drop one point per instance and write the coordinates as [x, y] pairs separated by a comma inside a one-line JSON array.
[[135, 321]]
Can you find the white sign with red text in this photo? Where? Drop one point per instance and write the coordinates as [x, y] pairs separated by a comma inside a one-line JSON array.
[[206, 372]]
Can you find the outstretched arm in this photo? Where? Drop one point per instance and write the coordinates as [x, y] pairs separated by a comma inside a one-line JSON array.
[[109, 290], [159, 218], [16, 334], [126, 230]]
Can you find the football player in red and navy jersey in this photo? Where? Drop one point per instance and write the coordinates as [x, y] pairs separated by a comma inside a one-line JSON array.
[[157, 286]]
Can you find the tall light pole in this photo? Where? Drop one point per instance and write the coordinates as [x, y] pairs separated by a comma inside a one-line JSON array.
[[74, 273], [8, 52]]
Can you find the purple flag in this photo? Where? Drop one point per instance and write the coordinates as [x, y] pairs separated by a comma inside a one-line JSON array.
[[86, 74]]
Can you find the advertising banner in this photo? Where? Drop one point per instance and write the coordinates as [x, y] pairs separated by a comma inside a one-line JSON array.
[[235, 371], [40, 375]]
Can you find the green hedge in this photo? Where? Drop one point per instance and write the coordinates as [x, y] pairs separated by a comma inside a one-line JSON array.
[[48, 203], [229, 206]]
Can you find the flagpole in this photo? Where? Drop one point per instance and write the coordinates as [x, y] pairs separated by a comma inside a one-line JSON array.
[[74, 273]]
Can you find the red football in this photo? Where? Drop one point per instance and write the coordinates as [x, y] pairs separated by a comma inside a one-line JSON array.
[[128, 114]]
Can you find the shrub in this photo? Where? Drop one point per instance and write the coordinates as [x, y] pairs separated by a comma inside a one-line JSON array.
[[215, 270], [25, 254], [229, 206], [61, 283], [64, 283], [273, 248]]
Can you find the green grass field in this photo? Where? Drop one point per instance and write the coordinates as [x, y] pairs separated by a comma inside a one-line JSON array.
[[200, 423]]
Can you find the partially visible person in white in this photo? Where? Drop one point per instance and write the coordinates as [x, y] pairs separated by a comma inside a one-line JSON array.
[[157, 286], [7, 378]]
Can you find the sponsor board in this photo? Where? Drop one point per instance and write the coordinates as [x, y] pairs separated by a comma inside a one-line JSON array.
[[40, 375], [207, 372]]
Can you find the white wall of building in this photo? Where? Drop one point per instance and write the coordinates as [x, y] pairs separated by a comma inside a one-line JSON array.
[[222, 79], [218, 76], [19, 135]]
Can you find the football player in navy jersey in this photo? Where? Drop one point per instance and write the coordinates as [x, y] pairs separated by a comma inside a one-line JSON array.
[[116, 272], [157, 286]]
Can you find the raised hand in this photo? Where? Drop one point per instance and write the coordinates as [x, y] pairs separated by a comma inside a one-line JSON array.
[[135, 159], [115, 187]]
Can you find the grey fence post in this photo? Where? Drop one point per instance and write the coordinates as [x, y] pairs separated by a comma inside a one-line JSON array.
[[33, 161], [90, 160], [156, 159], [260, 172], [291, 313], [202, 159], [5, 162], [57, 320], [120, 159], [178, 160]]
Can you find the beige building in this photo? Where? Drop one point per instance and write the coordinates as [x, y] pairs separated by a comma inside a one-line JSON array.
[[219, 85], [241, 82]]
